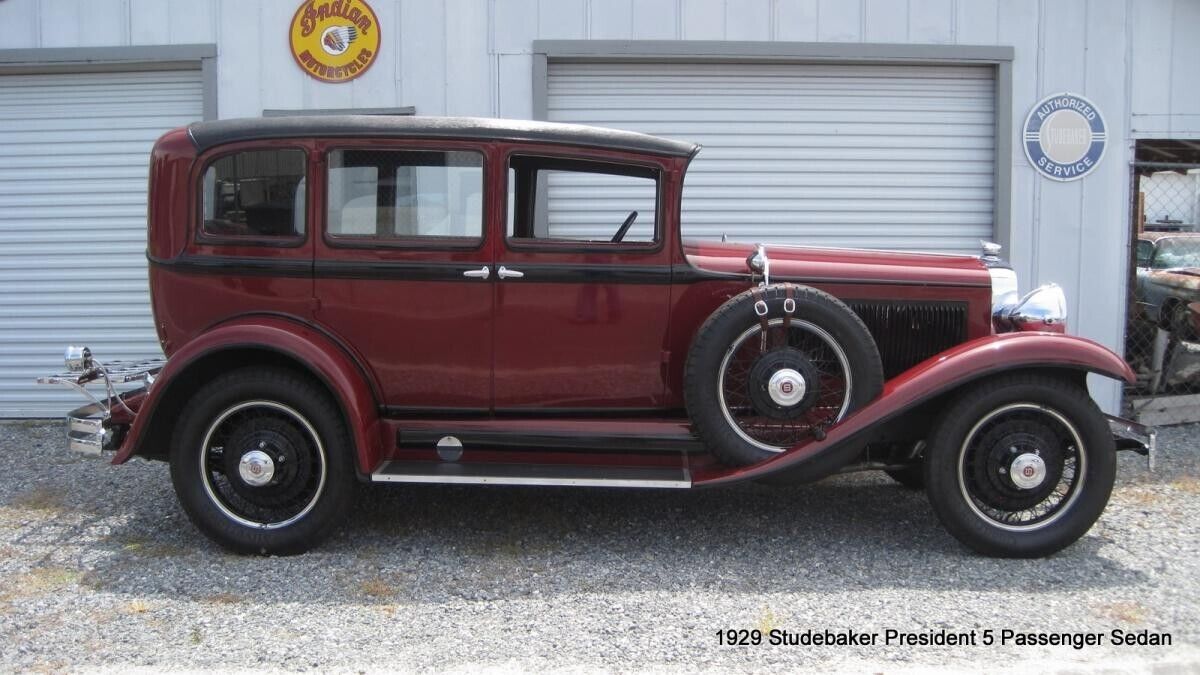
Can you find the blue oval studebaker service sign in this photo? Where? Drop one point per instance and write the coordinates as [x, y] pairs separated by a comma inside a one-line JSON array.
[[1065, 137]]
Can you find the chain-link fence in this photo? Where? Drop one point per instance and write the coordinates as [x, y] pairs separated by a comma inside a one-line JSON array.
[[1163, 332]]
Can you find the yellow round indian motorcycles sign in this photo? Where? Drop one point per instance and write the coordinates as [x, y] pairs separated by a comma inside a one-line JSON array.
[[335, 40]]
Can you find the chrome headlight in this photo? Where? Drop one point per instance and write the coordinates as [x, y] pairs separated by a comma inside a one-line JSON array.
[[1004, 288], [78, 359], [1042, 309]]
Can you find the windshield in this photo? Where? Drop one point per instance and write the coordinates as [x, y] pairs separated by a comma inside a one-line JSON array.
[[1177, 252]]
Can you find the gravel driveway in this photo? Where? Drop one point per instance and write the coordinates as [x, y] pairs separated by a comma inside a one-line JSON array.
[[101, 569]]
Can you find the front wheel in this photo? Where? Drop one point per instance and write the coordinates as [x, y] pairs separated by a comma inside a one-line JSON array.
[[1020, 466], [261, 462]]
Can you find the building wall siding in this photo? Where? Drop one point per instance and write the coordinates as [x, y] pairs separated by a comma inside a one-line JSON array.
[[1135, 60]]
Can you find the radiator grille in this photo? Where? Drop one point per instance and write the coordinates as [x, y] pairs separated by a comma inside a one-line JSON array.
[[910, 332]]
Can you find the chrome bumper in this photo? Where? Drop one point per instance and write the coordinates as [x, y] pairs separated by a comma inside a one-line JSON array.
[[86, 430], [1132, 436], [89, 427]]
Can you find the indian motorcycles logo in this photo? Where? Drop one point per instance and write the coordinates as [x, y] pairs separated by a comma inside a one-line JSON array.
[[335, 41]]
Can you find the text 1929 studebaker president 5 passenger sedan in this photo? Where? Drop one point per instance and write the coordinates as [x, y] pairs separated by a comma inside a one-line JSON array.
[[411, 300]]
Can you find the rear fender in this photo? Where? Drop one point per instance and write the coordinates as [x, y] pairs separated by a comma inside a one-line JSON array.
[[284, 339], [966, 363]]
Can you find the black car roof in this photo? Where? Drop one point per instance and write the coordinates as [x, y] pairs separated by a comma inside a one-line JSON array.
[[206, 135]]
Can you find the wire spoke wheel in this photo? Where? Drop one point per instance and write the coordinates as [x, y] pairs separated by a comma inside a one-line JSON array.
[[262, 464], [773, 368], [1022, 466], [776, 387]]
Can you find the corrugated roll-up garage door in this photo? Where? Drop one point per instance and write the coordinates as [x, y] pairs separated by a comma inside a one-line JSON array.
[[74, 156], [876, 156]]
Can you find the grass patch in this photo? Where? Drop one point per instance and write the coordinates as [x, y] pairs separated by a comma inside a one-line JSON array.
[[39, 581], [1141, 496], [377, 588], [1127, 612], [137, 607], [153, 549], [222, 599], [767, 621], [51, 578], [41, 499], [1188, 484]]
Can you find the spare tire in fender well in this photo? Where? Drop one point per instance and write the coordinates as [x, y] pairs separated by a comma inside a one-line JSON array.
[[774, 366]]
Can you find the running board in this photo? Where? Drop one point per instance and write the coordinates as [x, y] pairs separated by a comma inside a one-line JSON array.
[[498, 473]]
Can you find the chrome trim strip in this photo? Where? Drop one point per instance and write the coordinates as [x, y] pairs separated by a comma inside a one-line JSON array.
[[530, 480], [428, 472]]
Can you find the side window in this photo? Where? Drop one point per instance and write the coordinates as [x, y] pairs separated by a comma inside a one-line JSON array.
[[1173, 252], [1145, 251], [577, 202], [257, 194], [400, 195]]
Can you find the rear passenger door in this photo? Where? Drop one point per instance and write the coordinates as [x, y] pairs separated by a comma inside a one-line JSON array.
[[403, 269]]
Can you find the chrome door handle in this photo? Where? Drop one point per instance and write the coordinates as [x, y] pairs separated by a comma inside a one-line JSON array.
[[481, 273], [505, 273]]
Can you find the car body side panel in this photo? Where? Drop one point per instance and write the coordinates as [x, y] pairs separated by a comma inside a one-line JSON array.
[[968, 362]]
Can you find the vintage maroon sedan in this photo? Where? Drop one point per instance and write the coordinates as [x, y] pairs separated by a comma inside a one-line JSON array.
[[410, 300]]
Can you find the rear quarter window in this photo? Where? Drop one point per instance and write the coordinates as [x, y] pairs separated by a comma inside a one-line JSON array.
[[256, 194]]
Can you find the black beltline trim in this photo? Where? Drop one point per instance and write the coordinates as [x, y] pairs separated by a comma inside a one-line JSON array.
[[560, 273], [414, 412], [234, 265], [394, 270], [548, 273]]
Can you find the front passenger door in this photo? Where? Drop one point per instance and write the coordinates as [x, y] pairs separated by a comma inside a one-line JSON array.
[[581, 301]]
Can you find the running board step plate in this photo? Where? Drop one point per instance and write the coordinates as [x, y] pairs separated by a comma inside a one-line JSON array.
[[531, 474]]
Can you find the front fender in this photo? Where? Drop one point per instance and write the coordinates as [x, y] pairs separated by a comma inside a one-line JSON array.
[[949, 370], [321, 355]]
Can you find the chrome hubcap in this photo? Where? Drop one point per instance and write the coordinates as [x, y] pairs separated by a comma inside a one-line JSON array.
[[256, 468], [1027, 471], [786, 387]]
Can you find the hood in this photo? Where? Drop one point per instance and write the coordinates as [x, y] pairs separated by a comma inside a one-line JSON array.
[[1178, 277], [831, 265]]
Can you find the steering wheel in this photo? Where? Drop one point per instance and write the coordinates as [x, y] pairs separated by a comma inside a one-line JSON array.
[[621, 231]]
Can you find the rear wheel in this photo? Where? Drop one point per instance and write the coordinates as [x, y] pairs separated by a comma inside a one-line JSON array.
[[1021, 466], [261, 463]]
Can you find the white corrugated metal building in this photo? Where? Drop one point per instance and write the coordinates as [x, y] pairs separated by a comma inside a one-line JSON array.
[[875, 123]]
